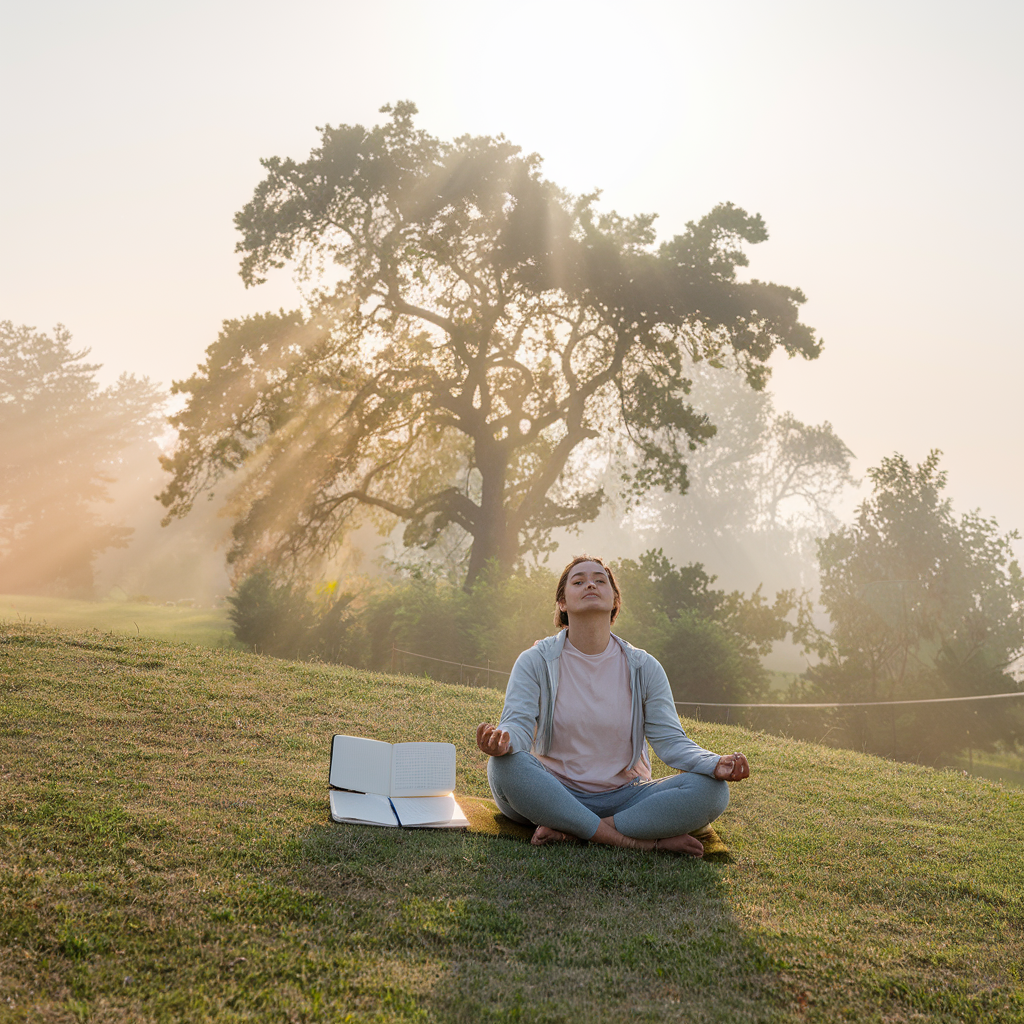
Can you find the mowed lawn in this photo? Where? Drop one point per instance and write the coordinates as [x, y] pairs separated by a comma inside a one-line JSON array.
[[166, 855]]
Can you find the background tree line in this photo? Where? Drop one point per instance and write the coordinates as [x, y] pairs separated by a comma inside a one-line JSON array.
[[710, 641], [922, 604], [64, 439], [484, 363]]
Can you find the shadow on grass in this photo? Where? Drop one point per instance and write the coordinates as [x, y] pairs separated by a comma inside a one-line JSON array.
[[510, 932]]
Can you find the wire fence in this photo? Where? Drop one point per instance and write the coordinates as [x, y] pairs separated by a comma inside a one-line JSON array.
[[856, 703], [852, 724], [903, 730], [467, 672]]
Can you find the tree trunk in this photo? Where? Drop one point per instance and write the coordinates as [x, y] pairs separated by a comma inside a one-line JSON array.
[[491, 540]]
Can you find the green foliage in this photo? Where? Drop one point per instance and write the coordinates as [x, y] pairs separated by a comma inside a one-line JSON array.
[[709, 641], [424, 614], [705, 661], [269, 617], [473, 330], [283, 620], [923, 604], [62, 438]]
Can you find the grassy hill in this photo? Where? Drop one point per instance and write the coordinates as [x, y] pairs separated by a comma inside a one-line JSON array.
[[166, 854]]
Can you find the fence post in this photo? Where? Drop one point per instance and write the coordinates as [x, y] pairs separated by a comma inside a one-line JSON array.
[[392, 657]]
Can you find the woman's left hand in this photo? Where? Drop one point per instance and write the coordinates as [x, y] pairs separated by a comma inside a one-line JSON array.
[[732, 767]]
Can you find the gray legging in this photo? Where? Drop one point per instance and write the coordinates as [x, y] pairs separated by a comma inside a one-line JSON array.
[[525, 791]]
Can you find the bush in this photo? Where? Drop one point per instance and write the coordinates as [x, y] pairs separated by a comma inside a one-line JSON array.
[[494, 622], [709, 641], [705, 663], [271, 618], [367, 624]]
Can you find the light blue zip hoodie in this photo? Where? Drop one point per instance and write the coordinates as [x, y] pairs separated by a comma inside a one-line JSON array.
[[529, 708]]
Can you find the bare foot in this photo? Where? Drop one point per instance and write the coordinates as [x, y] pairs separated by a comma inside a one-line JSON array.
[[608, 833], [544, 835], [682, 844]]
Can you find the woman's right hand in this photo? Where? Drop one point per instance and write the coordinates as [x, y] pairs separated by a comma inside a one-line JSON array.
[[492, 740]]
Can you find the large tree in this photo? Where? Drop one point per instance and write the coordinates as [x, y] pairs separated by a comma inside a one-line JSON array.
[[470, 328], [63, 436]]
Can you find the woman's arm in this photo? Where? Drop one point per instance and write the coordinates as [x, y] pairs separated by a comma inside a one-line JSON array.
[[666, 735], [521, 712]]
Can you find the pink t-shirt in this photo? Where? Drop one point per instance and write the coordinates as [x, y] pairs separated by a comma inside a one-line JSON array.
[[591, 739]]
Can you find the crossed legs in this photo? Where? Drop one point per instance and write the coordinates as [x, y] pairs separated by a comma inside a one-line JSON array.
[[643, 816]]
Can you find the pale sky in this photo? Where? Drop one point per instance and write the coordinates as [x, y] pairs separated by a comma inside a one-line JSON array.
[[882, 143]]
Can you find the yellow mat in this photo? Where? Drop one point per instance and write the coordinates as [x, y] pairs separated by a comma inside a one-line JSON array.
[[485, 819]]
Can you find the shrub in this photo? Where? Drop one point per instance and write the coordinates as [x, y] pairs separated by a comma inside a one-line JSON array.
[[270, 617]]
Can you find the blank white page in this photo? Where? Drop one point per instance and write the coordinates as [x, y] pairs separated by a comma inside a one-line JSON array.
[[429, 811], [422, 769], [362, 808], [361, 764]]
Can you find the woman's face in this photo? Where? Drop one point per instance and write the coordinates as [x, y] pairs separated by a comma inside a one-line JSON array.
[[588, 591]]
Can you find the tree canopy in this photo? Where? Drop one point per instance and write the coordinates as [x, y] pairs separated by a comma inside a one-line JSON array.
[[63, 435], [923, 603], [710, 641], [471, 328]]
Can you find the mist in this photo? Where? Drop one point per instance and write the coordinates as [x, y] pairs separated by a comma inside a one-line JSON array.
[[869, 145]]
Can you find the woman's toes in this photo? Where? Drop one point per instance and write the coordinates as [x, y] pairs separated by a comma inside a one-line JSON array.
[[544, 835]]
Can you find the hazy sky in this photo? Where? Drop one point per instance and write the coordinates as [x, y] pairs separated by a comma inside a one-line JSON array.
[[882, 143]]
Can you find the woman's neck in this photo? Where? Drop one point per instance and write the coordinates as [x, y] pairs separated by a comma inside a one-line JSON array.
[[589, 636]]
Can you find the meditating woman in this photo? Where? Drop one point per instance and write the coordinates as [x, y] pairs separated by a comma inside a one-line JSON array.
[[569, 753]]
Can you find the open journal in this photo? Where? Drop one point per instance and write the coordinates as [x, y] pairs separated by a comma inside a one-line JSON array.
[[398, 784]]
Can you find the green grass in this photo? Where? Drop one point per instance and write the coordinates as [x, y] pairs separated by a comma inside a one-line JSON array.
[[166, 855], [208, 627], [1006, 767]]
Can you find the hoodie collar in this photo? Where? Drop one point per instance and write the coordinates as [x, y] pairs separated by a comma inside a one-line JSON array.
[[551, 647]]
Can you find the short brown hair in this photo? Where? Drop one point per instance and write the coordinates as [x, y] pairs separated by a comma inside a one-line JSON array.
[[562, 618]]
